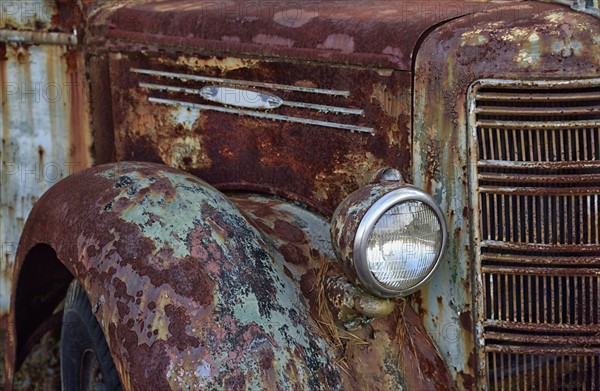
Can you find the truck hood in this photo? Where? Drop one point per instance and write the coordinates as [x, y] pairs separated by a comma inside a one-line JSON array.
[[376, 33]]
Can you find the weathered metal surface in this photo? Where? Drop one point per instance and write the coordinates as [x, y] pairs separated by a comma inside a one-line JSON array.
[[304, 162], [157, 70], [396, 347], [350, 301], [374, 33], [45, 131], [27, 15], [188, 294], [556, 223], [318, 159], [544, 41], [590, 6], [42, 15], [40, 38]]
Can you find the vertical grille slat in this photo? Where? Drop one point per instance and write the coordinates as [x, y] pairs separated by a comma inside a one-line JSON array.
[[535, 174], [577, 214]]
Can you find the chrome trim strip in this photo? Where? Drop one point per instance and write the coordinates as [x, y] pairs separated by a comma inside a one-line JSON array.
[[323, 108], [258, 114], [272, 86], [240, 97], [563, 165], [367, 224], [309, 106], [540, 124]]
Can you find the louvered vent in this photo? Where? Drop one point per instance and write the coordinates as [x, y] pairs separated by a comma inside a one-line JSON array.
[[536, 187]]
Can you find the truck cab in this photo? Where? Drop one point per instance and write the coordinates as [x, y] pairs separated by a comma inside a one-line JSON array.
[[304, 195]]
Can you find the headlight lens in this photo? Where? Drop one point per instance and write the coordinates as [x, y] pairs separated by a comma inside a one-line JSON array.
[[404, 244], [389, 236]]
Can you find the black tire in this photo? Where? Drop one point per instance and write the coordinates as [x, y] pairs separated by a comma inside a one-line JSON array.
[[85, 361]]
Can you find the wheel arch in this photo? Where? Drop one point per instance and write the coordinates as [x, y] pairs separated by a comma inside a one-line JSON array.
[[168, 263], [41, 285]]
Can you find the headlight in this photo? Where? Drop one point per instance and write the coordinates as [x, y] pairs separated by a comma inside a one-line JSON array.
[[390, 236]]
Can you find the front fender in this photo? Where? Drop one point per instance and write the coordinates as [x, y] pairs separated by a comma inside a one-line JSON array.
[[186, 291]]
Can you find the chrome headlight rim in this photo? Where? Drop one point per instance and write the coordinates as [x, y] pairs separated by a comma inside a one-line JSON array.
[[366, 226]]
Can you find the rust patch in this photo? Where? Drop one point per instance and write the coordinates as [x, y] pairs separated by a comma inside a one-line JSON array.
[[289, 232], [392, 104], [466, 321], [396, 358], [245, 153], [196, 287], [339, 32], [79, 116], [524, 41], [224, 65]]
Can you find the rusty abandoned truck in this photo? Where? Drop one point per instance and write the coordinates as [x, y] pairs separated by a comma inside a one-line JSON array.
[[348, 195]]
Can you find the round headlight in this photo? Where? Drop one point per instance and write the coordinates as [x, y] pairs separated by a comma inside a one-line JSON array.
[[397, 242]]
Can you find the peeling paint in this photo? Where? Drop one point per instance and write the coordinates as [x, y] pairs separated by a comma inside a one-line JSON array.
[[297, 20], [222, 64], [515, 34], [395, 52], [228, 292], [555, 17], [341, 42], [46, 135], [522, 48], [204, 288], [473, 38]]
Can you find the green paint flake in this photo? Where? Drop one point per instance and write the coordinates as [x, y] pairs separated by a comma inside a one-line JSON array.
[[473, 38], [171, 222], [530, 54], [173, 218]]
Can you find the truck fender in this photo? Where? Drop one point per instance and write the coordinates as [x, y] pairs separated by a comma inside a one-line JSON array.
[[187, 292]]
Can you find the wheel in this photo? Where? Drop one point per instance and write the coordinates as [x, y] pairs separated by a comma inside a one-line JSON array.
[[85, 361]]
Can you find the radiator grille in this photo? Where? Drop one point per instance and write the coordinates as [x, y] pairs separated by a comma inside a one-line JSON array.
[[536, 189]]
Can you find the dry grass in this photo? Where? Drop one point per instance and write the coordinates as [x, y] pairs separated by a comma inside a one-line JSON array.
[[403, 336], [336, 337]]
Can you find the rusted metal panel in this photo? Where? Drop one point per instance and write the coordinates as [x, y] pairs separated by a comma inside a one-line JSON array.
[[374, 33], [187, 293], [27, 15], [42, 15], [590, 6], [556, 224], [352, 121], [391, 339], [159, 56], [45, 129], [545, 41], [316, 153]]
